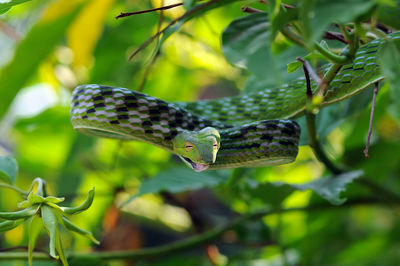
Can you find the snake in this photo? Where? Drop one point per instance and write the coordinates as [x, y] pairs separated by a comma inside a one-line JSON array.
[[250, 130]]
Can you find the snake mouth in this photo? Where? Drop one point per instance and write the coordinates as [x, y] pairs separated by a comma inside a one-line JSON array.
[[198, 167]]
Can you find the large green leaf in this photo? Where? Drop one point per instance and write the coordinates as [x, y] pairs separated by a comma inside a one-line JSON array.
[[50, 222], [178, 180], [318, 15], [246, 43], [8, 169], [271, 193], [330, 188], [389, 58], [7, 4], [32, 50], [35, 226], [388, 13]]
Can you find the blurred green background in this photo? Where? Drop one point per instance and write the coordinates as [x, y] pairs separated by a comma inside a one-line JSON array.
[[49, 47]]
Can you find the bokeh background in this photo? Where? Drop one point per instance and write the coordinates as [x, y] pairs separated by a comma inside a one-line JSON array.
[[49, 47]]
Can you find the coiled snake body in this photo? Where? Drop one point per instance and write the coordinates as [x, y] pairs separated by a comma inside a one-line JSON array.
[[252, 132]]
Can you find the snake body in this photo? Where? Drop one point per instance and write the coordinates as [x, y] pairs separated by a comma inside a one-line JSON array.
[[125, 114], [251, 126]]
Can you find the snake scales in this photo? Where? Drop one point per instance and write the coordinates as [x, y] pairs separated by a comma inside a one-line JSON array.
[[251, 127]]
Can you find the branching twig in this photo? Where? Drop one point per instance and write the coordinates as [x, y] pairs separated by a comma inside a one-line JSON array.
[[371, 119], [122, 15]]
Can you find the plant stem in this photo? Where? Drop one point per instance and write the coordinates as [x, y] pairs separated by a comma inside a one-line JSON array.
[[337, 59], [371, 119], [147, 10], [293, 37], [316, 145], [20, 191], [191, 242]]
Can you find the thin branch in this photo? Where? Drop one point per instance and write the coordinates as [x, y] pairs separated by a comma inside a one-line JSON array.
[[310, 71], [311, 126], [293, 37], [9, 31], [338, 59], [191, 242], [156, 53], [331, 35], [250, 10], [122, 15], [371, 119], [20, 191]]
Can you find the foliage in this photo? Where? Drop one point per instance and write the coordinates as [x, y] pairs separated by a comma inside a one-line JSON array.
[[304, 213], [42, 211]]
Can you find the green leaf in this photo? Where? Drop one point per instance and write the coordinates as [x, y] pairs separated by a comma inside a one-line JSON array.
[[388, 59], [282, 18], [31, 51], [8, 169], [245, 43], [189, 4], [330, 188], [22, 214], [9, 225], [70, 226], [34, 198], [389, 14], [55, 200], [49, 217], [318, 15], [293, 66], [35, 226], [178, 180], [271, 193], [7, 4], [83, 207], [60, 248]]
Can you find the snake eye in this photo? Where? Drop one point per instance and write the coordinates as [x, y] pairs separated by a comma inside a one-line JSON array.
[[215, 145], [188, 146]]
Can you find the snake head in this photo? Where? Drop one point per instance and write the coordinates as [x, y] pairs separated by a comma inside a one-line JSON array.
[[197, 149]]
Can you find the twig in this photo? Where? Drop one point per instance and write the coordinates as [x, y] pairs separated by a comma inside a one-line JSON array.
[[330, 35], [371, 119], [191, 242], [293, 37], [339, 59], [155, 56], [122, 15], [310, 71], [250, 10], [9, 31], [20, 191], [311, 127]]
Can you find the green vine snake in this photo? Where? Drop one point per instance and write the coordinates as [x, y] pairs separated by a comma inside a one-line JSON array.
[[242, 131]]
